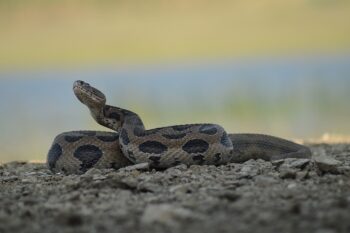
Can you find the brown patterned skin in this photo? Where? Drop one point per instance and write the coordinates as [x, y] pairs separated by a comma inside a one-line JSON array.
[[76, 152]]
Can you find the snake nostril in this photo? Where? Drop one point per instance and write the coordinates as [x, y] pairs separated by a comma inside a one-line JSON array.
[[80, 83]]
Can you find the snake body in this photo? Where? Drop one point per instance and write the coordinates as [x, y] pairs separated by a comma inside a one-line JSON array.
[[131, 143]]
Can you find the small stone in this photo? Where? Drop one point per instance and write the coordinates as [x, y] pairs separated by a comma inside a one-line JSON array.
[[287, 173], [130, 182], [167, 215], [139, 166], [9, 179], [149, 187], [344, 170], [92, 171], [70, 219], [277, 162], [29, 180], [99, 177], [265, 181], [295, 208], [299, 163], [229, 195], [180, 189], [292, 186], [292, 163], [302, 175], [327, 164], [248, 171]]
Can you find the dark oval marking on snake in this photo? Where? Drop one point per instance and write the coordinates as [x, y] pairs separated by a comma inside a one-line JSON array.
[[195, 146], [54, 154], [114, 115], [153, 147], [225, 140], [72, 138], [174, 136], [208, 129], [181, 127], [124, 136], [88, 155], [108, 138]]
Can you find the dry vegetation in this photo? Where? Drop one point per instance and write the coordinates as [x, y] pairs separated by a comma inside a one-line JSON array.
[[40, 33]]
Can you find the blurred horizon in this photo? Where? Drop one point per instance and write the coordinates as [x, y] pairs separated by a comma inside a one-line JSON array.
[[269, 66], [66, 34]]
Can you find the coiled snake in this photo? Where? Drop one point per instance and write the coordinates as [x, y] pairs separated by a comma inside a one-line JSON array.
[[131, 143]]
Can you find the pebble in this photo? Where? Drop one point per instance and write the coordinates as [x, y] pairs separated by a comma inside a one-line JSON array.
[[9, 178], [167, 215], [265, 181], [255, 196], [298, 163], [229, 195], [180, 189], [139, 166], [288, 173], [292, 186], [327, 164]]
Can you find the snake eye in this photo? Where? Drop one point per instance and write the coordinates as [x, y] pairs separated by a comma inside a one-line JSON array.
[[78, 83]]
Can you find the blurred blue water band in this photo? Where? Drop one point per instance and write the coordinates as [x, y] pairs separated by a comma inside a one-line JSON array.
[[286, 96]]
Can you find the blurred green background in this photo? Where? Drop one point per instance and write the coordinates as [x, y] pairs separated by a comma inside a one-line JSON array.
[[267, 66]]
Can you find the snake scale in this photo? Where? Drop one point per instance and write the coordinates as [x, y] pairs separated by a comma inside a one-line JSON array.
[[131, 143]]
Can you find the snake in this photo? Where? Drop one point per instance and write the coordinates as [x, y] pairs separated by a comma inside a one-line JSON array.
[[130, 143]]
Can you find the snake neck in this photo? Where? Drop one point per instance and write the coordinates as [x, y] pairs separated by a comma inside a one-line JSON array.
[[132, 121], [117, 118]]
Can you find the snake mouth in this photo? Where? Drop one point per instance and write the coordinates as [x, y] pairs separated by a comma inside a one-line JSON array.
[[86, 93]]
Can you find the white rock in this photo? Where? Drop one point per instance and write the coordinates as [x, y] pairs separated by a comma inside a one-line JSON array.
[[327, 164], [139, 166]]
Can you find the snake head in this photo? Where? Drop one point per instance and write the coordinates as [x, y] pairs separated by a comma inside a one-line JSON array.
[[88, 95]]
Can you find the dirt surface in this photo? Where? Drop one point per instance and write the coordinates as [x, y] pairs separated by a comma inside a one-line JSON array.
[[256, 196]]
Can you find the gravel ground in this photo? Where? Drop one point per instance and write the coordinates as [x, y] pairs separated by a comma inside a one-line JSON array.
[[256, 196]]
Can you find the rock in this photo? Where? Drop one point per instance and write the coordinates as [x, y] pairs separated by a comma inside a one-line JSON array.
[[240, 197], [177, 168], [292, 163], [149, 187], [302, 175], [70, 219], [29, 180], [99, 177], [327, 164], [166, 214], [265, 181], [344, 170], [288, 173], [278, 162], [298, 163], [228, 195], [292, 186], [139, 166], [180, 189], [9, 178], [248, 170], [92, 171]]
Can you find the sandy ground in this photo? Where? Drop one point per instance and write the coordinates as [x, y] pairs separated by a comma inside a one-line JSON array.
[[255, 196]]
